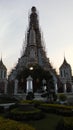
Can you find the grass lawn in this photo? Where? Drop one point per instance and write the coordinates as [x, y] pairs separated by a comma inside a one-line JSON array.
[[48, 123]]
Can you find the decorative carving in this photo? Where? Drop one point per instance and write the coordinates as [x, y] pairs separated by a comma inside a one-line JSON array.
[[32, 53]]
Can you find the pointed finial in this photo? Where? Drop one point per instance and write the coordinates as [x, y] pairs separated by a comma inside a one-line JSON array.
[[65, 61], [1, 56], [33, 9], [64, 57]]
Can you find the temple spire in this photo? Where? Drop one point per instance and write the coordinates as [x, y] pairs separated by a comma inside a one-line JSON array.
[[33, 18]]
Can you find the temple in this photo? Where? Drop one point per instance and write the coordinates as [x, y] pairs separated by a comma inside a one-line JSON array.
[[33, 52]]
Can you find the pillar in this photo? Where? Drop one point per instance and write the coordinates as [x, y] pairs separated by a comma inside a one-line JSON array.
[[65, 89], [56, 88], [5, 89], [72, 88], [15, 87], [44, 84], [29, 87]]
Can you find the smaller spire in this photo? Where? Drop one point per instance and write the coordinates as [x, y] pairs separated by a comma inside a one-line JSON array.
[[65, 62], [64, 59], [1, 57], [64, 55]]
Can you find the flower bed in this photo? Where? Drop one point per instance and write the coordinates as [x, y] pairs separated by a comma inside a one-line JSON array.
[[6, 124]]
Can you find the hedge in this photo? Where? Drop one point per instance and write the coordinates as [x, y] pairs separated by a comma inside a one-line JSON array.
[[7, 99], [6, 124], [19, 114], [36, 103], [65, 124], [31, 101], [58, 109]]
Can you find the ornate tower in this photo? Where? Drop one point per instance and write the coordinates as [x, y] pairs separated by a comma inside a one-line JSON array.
[[3, 78], [34, 52], [3, 71], [66, 76], [65, 72]]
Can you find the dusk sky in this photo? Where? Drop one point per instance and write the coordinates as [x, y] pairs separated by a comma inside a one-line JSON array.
[[56, 23]]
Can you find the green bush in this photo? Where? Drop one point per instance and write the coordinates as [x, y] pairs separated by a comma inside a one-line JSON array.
[[26, 101], [30, 96], [36, 103], [7, 99], [62, 97], [58, 106], [6, 124]]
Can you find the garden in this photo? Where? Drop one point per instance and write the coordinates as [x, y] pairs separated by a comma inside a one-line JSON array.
[[35, 115]]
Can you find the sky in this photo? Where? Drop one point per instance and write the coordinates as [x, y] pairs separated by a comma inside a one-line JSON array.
[[56, 23]]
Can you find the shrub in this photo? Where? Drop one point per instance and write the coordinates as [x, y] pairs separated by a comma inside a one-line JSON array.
[[55, 97], [1, 109], [7, 99], [6, 124], [31, 102], [13, 106], [62, 97], [30, 96], [26, 101]]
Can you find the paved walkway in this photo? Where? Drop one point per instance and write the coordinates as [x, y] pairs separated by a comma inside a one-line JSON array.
[[7, 105]]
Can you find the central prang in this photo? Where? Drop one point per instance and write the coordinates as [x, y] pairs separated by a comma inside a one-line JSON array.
[[33, 9]]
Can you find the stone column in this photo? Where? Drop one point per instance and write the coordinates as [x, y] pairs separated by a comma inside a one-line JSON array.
[[44, 84], [15, 87], [29, 87], [65, 89], [3, 74], [56, 88], [72, 88], [5, 89]]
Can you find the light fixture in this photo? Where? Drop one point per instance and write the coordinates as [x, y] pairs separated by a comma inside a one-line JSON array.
[[31, 68]]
